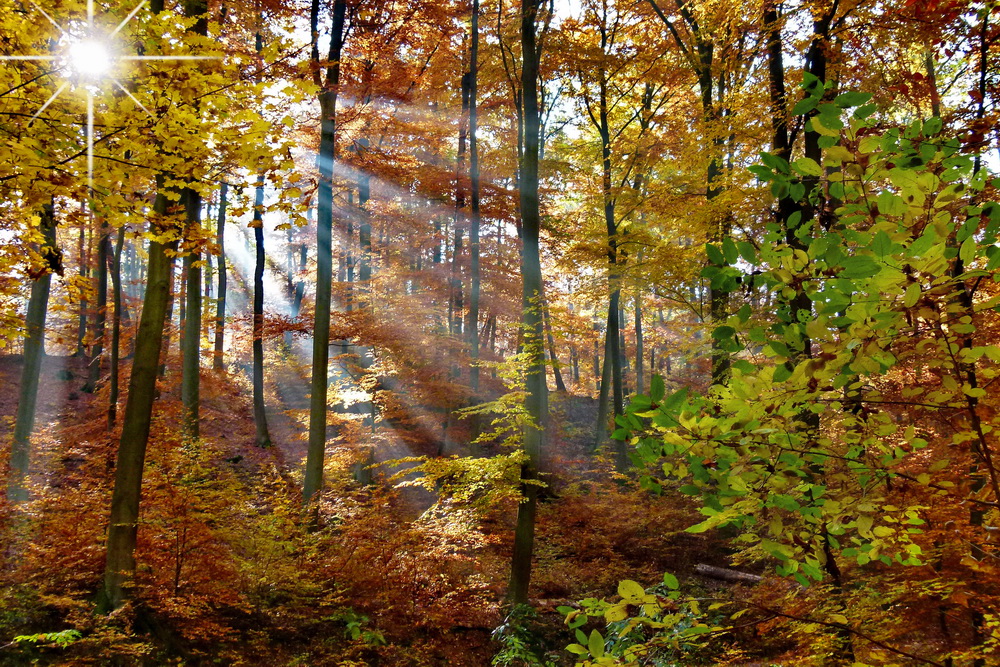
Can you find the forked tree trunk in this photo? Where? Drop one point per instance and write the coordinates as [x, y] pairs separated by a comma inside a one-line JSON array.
[[313, 482], [34, 348], [123, 527]]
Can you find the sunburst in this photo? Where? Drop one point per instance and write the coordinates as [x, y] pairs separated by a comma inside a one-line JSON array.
[[90, 58]]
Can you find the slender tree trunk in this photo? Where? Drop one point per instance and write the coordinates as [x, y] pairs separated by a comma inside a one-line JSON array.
[[116, 328], [84, 259], [531, 270], [263, 438], [97, 348], [300, 284], [622, 349], [364, 230], [455, 326], [220, 305], [168, 322], [556, 372], [324, 250], [475, 217], [639, 379], [611, 224], [191, 345], [34, 348], [574, 357]]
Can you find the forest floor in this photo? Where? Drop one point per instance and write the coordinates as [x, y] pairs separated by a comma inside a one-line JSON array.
[[230, 574]]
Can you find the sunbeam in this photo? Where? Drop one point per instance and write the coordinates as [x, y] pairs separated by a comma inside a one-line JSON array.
[[132, 97], [51, 99], [127, 18]]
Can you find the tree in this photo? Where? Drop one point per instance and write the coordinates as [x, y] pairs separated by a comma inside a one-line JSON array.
[[531, 273], [259, 409], [220, 307], [34, 348], [324, 250]]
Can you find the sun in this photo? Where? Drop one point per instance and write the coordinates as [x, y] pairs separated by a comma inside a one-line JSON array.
[[90, 59]]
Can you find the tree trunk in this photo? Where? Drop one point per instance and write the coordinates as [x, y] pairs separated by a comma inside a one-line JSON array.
[[639, 379], [324, 251], [119, 567], [116, 327], [123, 527], [84, 260], [34, 348], [97, 348], [556, 372], [531, 269], [220, 305], [191, 343], [263, 438], [475, 217], [168, 318], [455, 326], [364, 231], [611, 224]]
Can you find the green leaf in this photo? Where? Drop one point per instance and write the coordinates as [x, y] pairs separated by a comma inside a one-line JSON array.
[[730, 251], [870, 144], [805, 105], [777, 164], [670, 581], [749, 253], [656, 388], [596, 644], [860, 266], [715, 255], [864, 112], [807, 167], [576, 649], [912, 295], [967, 252], [723, 332], [782, 373], [931, 126], [701, 527], [851, 99]]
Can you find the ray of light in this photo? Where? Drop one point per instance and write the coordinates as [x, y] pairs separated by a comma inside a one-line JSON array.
[[28, 57], [128, 18], [90, 14], [51, 20], [50, 100], [171, 58], [132, 97], [90, 140]]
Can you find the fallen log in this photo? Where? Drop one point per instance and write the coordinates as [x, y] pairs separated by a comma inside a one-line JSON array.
[[725, 574]]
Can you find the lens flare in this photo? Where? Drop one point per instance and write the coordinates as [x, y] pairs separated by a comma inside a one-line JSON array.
[[89, 59]]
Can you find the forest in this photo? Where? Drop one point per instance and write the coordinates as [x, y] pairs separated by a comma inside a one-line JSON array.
[[520, 334]]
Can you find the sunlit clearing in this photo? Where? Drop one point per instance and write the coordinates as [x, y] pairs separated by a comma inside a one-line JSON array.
[[89, 59]]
